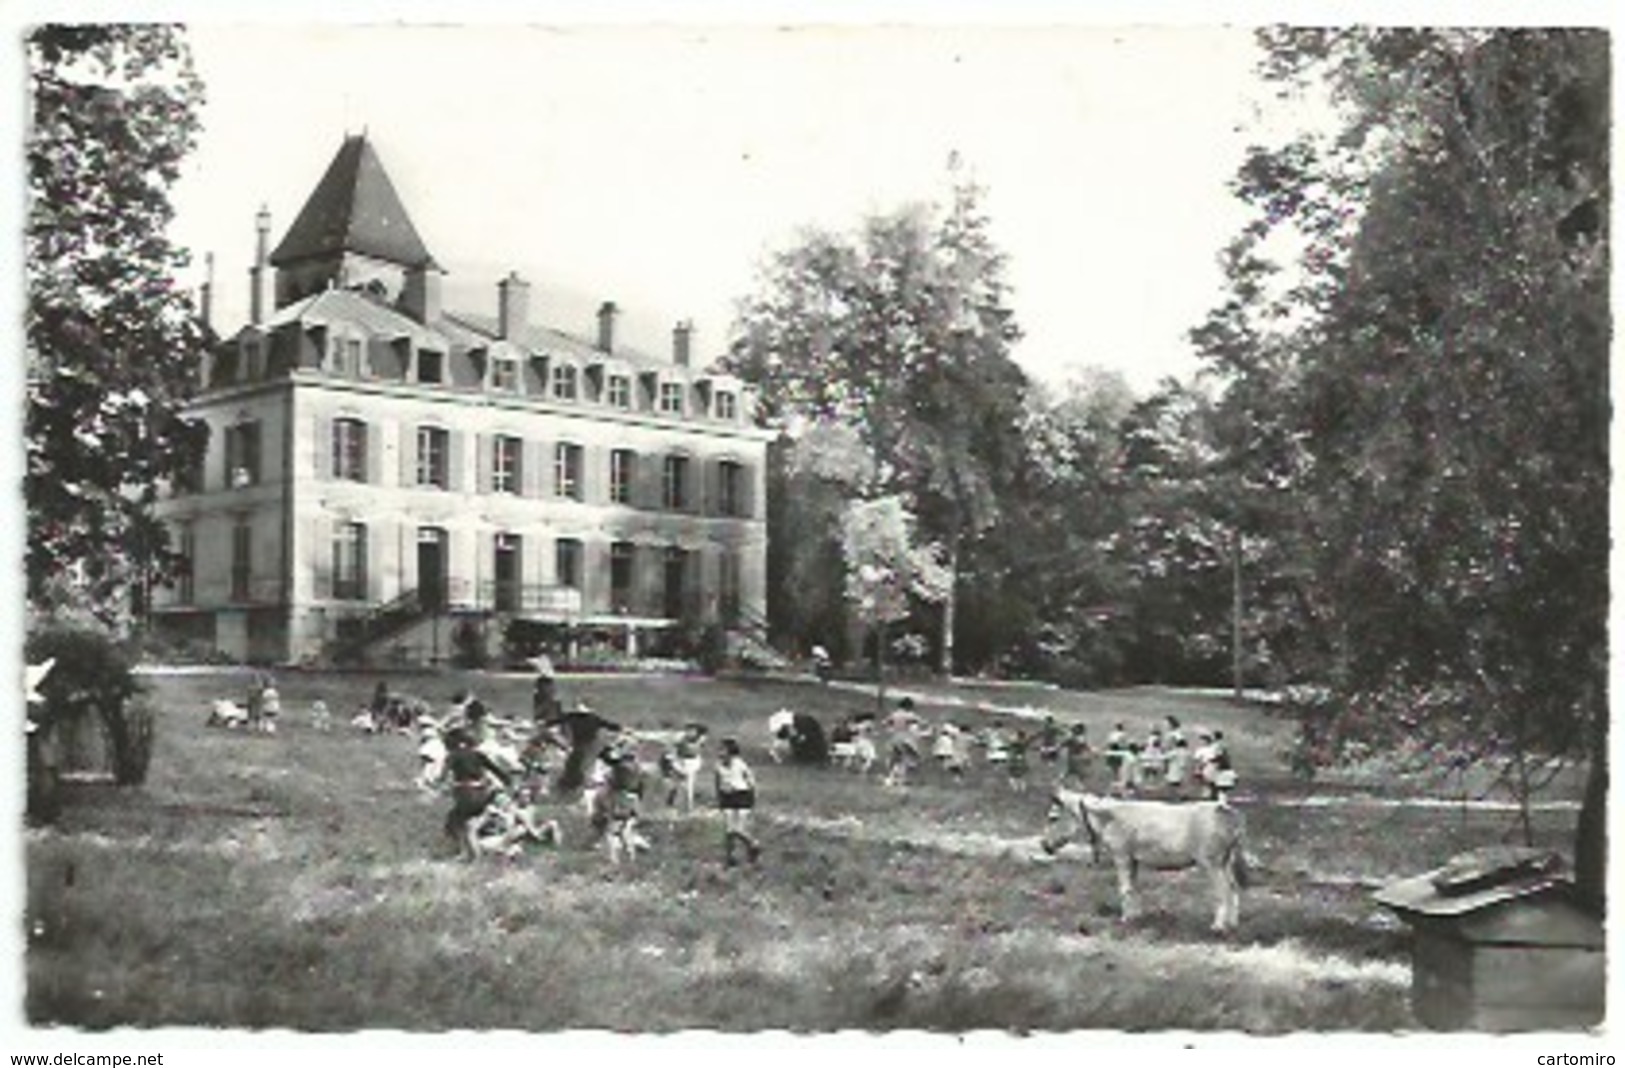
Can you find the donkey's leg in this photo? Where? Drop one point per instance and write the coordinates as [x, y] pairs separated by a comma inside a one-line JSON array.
[[1219, 876], [1125, 888]]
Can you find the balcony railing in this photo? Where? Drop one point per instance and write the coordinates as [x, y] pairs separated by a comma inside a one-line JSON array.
[[529, 599]]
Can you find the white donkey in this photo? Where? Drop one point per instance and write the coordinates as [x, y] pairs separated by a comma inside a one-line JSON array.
[[1164, 834]]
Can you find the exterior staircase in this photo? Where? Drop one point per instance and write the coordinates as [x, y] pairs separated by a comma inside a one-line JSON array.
[[748, 646], [360, 633]]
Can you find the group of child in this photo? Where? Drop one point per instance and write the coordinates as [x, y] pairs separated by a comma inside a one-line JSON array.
[[1163, 764], [494, 803], [1166, 763]]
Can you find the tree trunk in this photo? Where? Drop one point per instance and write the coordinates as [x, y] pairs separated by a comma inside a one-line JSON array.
[[1235, 613], [1591, 832], [880, 667], [945, 660]]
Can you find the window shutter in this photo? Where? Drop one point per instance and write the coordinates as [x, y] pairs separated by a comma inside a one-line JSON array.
[[747, 491], [594, 473], [371, 553], [646, 492], [710, 486], [408, 436], [321, 537], [323, 459], [484, 464], [533, 467], [375, 453], [456, 453], [694, 589]]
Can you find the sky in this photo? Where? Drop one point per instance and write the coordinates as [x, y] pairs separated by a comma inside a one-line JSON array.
[[659, 166]]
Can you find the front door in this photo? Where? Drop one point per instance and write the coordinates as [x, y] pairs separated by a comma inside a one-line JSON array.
[[432, 568], [676, 569], [507, 573]]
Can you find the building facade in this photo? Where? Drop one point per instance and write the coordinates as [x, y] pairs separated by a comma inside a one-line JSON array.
[[385, 477]]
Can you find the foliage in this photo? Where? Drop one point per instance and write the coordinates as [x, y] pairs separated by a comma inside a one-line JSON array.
[[112, 341], [1430, 396], [468, 647], [92, 681], [885, 567], [811, 477], [900, 333]]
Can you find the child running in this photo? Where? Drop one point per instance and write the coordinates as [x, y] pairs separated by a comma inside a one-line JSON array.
[[470, 772], [736, 796]]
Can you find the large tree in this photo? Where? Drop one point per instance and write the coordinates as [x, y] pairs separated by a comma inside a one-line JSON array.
[[901, 331], [113, 342], [1433, 387]]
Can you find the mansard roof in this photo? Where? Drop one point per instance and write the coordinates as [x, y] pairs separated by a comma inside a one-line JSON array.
[[541, 338], [354, 208]]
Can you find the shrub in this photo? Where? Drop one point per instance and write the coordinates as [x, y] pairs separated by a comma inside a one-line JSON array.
[[468, 646], [93, 677]]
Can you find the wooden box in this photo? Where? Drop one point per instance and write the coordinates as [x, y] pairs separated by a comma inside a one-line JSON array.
[[1517, 955]]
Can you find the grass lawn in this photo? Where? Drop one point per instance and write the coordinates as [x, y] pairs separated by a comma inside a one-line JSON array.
[[299, 880]]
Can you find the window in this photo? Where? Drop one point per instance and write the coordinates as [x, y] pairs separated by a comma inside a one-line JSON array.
[[621, 555], [620, 391], [671, 398], [242, 455], [224, 369], [622, 465], [674, 486], [350, 561], [564, 381], [434, 468], [252, 368], [242, 544], [728, 601], [567, 471], [506, 571], [730, 486], [186, 567], [676, 583], [347, 356], [505, 375], [431, 367], [567, 563], [727, 405], [506, 457], [350, 450]]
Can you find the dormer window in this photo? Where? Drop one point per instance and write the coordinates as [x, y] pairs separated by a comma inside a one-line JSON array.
[[431, 367], [252, 371], [346, 357], [564, 381], [620, 391], [505, 375], [726, 405], [671, 398]]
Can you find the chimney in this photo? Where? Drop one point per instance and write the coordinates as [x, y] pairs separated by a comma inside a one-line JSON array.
[[606, 326], [420, 296], [681, 336], [513, 306], [206, 297], [256, 296]]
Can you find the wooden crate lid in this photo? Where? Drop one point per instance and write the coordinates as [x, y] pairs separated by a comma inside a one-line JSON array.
[[1504, 896]]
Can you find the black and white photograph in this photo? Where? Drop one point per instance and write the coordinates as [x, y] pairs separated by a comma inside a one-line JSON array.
[[790, 533]]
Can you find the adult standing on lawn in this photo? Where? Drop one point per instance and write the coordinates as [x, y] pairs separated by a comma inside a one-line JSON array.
[[736, 796], [581, 725]]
